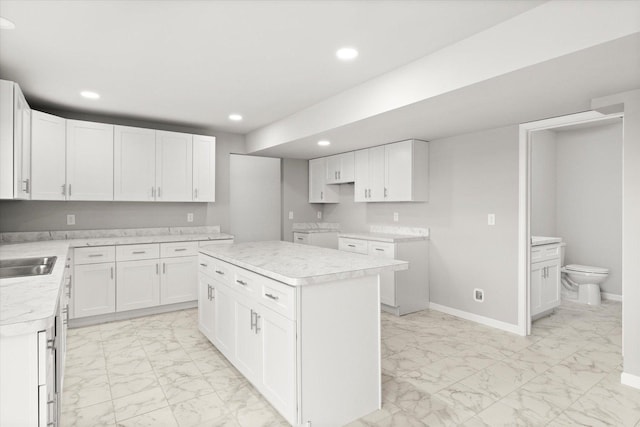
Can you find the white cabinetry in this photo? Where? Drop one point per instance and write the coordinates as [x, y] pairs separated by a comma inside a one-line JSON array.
[[325, 239], [48, 157], [134, 163], [395, 172], [94, 281], [15, 142], [174, 166], [89, 161], [204, 168], [206, 305], [401, 292], [179, 282], [319, 191], [138, 276], [340, 168], [545, 279]]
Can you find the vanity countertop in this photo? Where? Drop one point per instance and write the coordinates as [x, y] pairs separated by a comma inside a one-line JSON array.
[[543, 240]]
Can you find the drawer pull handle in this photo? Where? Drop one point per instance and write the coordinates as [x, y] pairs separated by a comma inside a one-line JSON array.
[[380, 249], [180, 249], [220, 272], [204, 265], [139, 252], [241, 282], [300, 238], [273, 297], [95, 255], [352, 246]]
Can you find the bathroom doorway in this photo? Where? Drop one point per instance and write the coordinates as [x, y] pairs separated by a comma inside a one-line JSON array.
[[570, 189]]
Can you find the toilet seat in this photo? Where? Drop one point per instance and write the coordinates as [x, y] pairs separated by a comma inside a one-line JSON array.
[[585, 269]]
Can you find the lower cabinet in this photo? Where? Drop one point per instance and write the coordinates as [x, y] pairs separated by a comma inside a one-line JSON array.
[[225, 321], [248, 338], [138, 284], [206, 306], [94, 290], [545, 281], [179, 279]]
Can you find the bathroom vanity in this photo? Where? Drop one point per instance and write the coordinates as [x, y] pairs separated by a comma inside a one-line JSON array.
[[545, 275]]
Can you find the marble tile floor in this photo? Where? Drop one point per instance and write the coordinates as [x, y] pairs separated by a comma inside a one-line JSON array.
[[437, 370]]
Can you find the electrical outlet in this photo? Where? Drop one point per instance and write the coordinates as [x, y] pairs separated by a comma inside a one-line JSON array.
[[478, 295], [491, 219], [71, 219], [190, 217], [395, 217], [319, 215], [290, 214]]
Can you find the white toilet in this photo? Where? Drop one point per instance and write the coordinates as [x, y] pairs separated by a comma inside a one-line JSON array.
[[585, 279]]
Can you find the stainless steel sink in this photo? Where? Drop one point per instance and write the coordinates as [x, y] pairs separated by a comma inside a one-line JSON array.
[[22, 267]]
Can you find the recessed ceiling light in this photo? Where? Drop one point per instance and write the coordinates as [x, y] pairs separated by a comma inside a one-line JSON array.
[[346, 53], [324, 143], [5, 24], [90, 95], [235, 117]]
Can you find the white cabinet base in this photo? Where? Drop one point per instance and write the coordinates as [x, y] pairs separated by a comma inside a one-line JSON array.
[[130, 314]]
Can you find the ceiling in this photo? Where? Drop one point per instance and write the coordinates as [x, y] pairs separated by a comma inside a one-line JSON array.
[[195, 62]]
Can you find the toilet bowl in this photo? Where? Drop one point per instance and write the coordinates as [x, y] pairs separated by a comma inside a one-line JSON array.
[[587, 279]]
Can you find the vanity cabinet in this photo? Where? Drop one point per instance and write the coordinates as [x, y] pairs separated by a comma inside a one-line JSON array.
[[395, 172], [89, 161], [319, 191], [15, 143], [401, 292], [48, 157], [340, 168], [545, 279]]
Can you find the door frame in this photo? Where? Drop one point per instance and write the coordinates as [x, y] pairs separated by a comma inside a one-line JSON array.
[[524, 202]]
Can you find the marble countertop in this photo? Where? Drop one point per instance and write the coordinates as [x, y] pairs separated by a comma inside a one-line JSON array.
[[315, 230], [298, 265], [543, 240], [28, 304], [383, 237], [134, 240]]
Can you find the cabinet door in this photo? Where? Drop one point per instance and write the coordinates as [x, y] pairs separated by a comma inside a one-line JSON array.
[[398, 171], [550, 294], [22, 146], [387, 278], [535, 288], [94, 289], [174, 166], [316, 180], [376, 174], [48, 152], [361, 175], [248, 347], [224, 325], [89, 161], [204, 168], [347, 167], [206, 306], [332, 169], [179, 282], [279, 361], [138, 284], [134, 163]]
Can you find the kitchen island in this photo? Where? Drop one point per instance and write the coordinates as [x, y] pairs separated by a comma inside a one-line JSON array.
[[301, 323]]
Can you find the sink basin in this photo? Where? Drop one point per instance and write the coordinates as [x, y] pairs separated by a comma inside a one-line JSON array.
[[22, 267]]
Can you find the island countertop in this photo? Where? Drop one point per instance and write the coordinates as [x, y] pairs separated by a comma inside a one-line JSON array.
[[298, 265]]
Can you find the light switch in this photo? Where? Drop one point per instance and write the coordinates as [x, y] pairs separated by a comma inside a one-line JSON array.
[[319, 215], [190, 217], [491, 219], [395, 217], [71, 219], [290, 214]]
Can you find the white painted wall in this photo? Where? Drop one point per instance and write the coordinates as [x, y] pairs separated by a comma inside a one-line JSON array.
[[543, 183], [295, 196], [255, 204], [589, 199]]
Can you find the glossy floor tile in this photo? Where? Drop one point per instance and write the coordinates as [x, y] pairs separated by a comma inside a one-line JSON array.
[[437, 370]]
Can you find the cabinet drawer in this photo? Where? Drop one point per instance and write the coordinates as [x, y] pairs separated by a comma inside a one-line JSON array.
[[278, 297], [381, 249], [178, 249], [218, 270], [94, 255], [302, 238], [137, 252], [247, 282], [353, 245], [545, 252]]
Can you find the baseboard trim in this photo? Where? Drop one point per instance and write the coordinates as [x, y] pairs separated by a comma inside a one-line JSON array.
[[129, 314], [487, 321], [611, 297], [630, 380]]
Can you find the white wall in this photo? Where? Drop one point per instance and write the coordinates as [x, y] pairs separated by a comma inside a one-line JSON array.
[[543, 183], [295, 196], [589, 199], [470, 176]]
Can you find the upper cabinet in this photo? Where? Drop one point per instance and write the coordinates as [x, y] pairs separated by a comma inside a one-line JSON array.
[[174, 166], [340, 168], [204, 168], [319, 191], [15, 143], [134, 166], [395, 172], [89, 161], [48, 157]]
